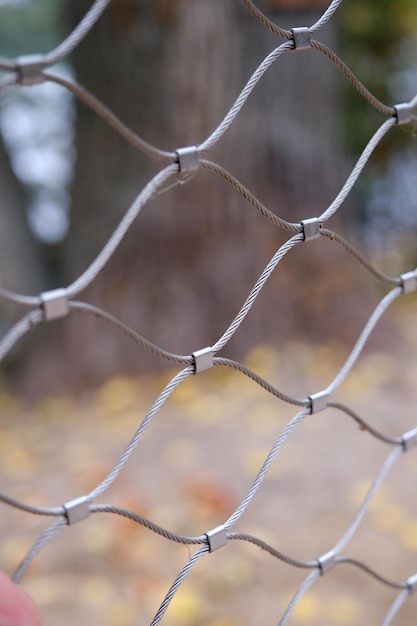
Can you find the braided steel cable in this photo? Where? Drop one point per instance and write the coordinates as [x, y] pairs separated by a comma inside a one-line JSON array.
[[42, 311], [110, 118]]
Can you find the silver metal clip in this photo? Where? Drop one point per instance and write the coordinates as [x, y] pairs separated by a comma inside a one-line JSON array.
[[30, 68], [203, 360], [217, 538], [409, 440], [409, 282], [311, 228], [403, 113], [318, 401], [77, 510], [327, 562], [55, 304], [412, 584], [301, 37], [188, 159]]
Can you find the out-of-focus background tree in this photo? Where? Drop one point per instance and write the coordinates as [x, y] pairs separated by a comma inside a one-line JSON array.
[[170, 71]]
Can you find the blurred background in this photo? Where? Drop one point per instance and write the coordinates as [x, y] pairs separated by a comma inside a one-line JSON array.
[[73, 391], [193, 254]]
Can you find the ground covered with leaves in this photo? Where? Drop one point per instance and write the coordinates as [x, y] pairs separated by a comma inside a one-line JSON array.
[[192, 468]]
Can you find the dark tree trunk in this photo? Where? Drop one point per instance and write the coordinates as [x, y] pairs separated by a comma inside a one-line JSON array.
[[171, 71], [20, 265]]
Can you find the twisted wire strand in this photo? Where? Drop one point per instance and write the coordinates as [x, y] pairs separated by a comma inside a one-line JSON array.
[[78, 34], [177, 583], [247, 195], [16, 298], [260, 381], [152, 189], [363, 338], [42, 540], [386, 466], [395, 441], [35, 510], [159, 402], [265, 467], [110, 118], [386, 581], [282, 32], [272, 551], [354, 80], [395, 607], [21, 328], [142, 521], [360, 164], [283, 250], [163, 181], [317, 45], [147, 194], [244, 95], [130, 333], [265, 21], [390, 280], [326, 17], [305, 585]]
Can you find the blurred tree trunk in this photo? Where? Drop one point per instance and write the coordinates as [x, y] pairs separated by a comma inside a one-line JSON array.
[[20, 264], [171, 70]]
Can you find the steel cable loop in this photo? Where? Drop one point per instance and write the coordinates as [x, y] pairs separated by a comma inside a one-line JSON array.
[[395, 607], [130, 333], [237, 514], [282, 32], [272, 551], [260, 381], [35, 510], [386, 581], [16, 298], [142, 521], [65, 47], [386, 466], [78, 34], [19, 330], [42, 540], [283, 250], [395, 441], [155, 187], [177, 583], [305, 585], [326, 17], [247, 195], [356, 171], [110, 118], [333, 236], [125, 456], [243, 96], [360, 88], [147, 194], [363, 338], [265, 21]]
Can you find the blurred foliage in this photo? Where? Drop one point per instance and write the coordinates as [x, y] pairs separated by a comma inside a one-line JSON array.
[[371, 37], [28, 27]]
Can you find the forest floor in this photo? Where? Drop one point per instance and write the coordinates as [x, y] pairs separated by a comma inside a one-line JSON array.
[[193, 466]]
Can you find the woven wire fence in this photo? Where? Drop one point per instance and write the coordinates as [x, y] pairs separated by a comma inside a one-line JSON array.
[[178, 167]]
